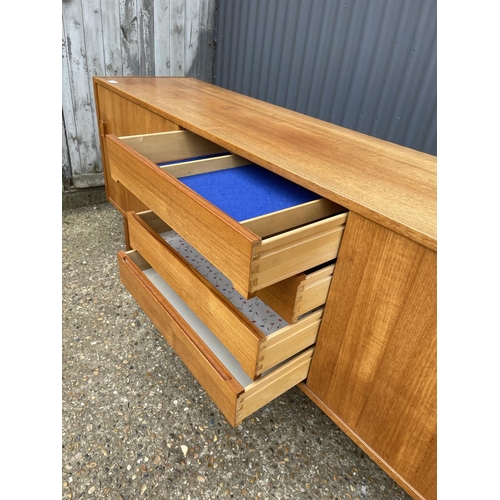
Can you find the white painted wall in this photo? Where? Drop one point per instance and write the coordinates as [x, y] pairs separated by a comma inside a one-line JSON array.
[[123, 38]]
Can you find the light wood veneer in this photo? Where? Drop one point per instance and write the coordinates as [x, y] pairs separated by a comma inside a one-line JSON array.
[[387, 183], [249, 260], [234, 400]]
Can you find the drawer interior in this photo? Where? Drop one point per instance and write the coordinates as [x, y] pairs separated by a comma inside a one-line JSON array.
[[269, 206], [260, 314], [212, 342], [248, 191], [244, 191], [165, 147], [211, 363]]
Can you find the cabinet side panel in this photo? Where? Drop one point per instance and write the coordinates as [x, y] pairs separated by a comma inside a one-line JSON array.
[[375, 359], [121, 117]]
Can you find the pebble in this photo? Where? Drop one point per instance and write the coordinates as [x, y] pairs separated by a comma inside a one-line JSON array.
[[115, 415]]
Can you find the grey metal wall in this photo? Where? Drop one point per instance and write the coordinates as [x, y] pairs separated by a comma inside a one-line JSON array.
[[368, 65], [123, 38]]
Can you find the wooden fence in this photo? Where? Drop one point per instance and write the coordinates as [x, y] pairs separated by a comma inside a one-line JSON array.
[[123, 38]]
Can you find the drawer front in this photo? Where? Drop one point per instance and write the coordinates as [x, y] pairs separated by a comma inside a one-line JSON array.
[[289, 241], [256, 350], [235, 400]]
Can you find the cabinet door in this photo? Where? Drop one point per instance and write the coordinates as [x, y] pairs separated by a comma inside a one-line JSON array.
[[375, 361], [121, 117]]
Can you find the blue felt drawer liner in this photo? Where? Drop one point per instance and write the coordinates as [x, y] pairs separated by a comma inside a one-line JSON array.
[[248, 191]]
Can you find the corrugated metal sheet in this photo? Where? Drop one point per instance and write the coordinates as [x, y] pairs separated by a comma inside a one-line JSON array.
[[124, 38], [366, 65]]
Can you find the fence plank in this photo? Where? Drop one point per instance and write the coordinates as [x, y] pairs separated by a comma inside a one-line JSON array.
[[124, 38], [162, 40], [146, 37], [81, 138]]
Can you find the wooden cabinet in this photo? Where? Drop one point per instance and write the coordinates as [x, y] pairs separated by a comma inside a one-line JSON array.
[[349, 273]]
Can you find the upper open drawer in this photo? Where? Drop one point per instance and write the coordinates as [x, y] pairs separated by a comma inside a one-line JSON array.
[[289, 228]]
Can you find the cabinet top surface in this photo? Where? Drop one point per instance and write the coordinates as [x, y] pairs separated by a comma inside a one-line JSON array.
[[390, 184]]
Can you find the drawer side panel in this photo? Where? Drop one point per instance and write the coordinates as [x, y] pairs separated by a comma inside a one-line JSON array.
[[312, 246], [299, 294], [290, 340], [313, 295], [282, 296], [279, 381]]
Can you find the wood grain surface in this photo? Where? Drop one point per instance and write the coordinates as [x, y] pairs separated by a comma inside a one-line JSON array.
[[234, 401], [120, 116], [230, 326], [390, 184], [218, 237], [375, 360], [277, 382], [255, 351], [295, 296]]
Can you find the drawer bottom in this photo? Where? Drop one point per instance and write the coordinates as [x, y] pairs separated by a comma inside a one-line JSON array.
[[213, 366]]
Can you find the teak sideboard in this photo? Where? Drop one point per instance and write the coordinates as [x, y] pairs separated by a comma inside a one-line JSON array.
[[351, 273]]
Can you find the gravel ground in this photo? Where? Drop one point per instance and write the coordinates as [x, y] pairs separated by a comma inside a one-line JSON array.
[[137, 425]]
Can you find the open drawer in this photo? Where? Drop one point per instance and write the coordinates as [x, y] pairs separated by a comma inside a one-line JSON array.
[[253, 253], [255, 335], [216, 370]]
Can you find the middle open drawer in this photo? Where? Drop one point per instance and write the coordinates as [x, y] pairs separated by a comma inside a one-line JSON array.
[[253, 252], [257, 347]]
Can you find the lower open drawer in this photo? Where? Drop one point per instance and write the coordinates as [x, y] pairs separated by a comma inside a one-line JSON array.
[[213, 366]]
